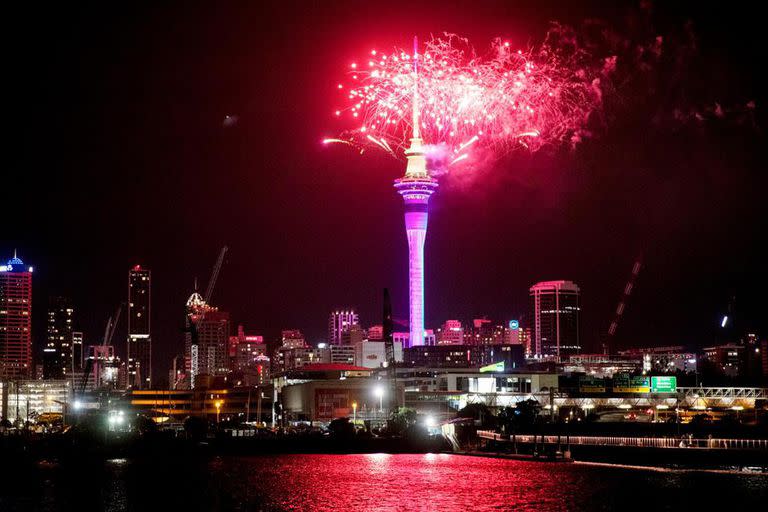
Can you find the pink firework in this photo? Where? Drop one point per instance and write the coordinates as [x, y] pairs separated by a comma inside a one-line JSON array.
[[506, 99]]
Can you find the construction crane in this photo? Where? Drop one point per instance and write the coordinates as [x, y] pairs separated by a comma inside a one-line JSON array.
[[191, 326], [215, 275], [109, 332], [622, 306]]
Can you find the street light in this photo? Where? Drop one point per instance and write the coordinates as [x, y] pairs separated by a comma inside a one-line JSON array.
[[218, 404], [379, 392], [354, 412]]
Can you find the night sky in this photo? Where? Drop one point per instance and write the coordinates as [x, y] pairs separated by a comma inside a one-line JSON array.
[[117, 153]]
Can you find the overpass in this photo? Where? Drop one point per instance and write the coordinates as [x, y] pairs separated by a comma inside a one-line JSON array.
[[631, 442], [689, 398]]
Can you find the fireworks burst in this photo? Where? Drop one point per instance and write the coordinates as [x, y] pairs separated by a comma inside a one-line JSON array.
[[500, 101]]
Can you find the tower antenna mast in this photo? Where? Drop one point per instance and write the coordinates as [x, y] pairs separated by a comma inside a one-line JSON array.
[[415, 102], [415, 187]]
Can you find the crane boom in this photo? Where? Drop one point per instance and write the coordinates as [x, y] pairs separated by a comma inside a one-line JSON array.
[[112, 326], [215, 274], [621, 307]]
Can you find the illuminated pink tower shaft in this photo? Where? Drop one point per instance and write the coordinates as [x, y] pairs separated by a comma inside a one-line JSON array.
[[416, 187]]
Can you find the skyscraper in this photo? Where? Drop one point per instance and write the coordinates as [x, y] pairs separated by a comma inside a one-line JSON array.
[[207, 341], [340, 321], [416, 187], [77, 351], [555, 308], [15, 319], [292, 338], [451, 333], [57, 353], [139, 341]]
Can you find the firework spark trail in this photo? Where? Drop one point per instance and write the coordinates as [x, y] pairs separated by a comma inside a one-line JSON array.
[[501, 101]]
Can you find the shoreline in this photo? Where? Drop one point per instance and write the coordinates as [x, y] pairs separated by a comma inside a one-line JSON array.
[[661, 469]]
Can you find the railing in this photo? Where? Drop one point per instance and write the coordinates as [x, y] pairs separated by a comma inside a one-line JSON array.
[[723, 392], [635, 442]]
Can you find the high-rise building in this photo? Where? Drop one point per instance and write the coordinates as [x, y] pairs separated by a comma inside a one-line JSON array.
[[464, 356], [404, 338], [57, 353], [526, 339], [15, 320], [249, 359], [451, 333], [514, 333], [207, 340], [482, 332], [343, 354], [292, 338], [353, 335], [555, 312], [139, 341], [290, 358], [416, 187], [244, 347], [340, 321], [77, 351], [728, 359], [373, 354], [376, 333]]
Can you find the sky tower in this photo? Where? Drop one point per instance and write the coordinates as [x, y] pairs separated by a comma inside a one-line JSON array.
[[416, 187]]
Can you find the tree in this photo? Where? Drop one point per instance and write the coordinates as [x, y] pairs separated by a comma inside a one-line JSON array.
[[527, 412], [401, 421], [196, 427], [480, 413], [145, 425], [341, 428], [507, 419]]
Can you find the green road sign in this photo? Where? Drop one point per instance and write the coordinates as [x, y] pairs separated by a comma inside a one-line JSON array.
[[495, 367], [663, 384]]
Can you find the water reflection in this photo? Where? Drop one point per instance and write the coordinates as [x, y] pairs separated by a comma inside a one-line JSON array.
[[374, 482], [378, 463]]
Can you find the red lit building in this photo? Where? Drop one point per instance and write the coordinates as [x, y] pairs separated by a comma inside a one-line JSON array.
[[248, 358], [15, 320], [451, 333]]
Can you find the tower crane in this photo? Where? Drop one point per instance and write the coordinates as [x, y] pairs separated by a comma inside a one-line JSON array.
[[215, 275], [621, 307], [192, 320], [109, 332]]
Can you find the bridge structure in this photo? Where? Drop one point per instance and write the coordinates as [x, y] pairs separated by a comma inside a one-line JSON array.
[[685, 398], [631, 442]]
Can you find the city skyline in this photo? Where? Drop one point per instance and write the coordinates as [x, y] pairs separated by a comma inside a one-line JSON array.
[[582, 216], [435, 255], [213, 335]]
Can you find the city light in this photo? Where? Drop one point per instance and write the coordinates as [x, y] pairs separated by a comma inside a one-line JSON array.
[[218, 404], [379, 392], [430, 422]]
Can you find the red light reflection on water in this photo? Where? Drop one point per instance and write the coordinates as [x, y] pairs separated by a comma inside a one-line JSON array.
[[384, 482]]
